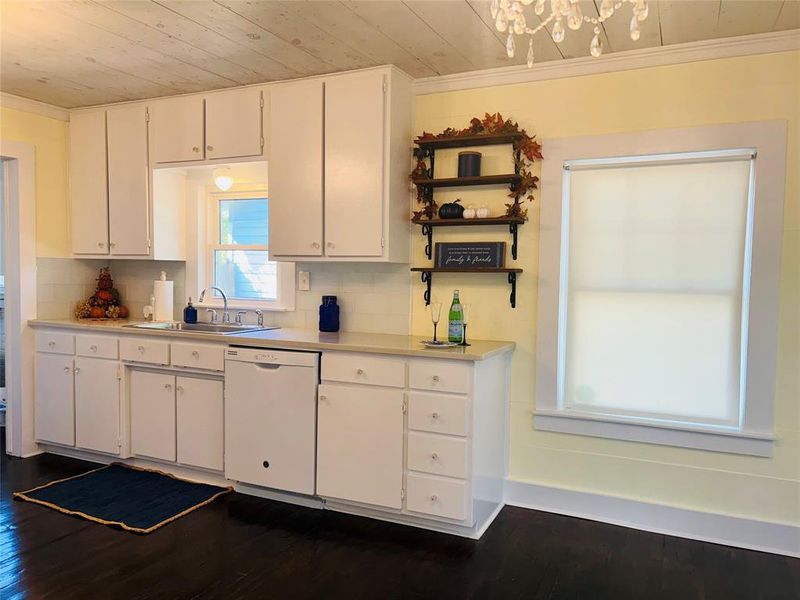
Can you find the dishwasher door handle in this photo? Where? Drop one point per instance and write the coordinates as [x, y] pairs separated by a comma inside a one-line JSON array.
[[269, 366]]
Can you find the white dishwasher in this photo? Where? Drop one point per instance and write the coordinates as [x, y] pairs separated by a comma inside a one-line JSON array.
[[271, 418]]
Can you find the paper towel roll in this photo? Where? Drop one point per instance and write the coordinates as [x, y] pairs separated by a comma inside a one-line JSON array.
[[163, 306]]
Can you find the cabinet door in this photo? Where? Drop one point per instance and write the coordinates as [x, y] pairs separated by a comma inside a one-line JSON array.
[[176, 129], [152, 398], [97, 405], [87, 182], [55, 399], [233, 124], [354, 147], [360, 444], [295, 169], [128, 189], [200, 421]]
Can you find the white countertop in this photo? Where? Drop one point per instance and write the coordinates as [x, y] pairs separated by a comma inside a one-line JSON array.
[[300, 339]]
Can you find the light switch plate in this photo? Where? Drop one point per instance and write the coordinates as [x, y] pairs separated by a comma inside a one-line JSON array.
[[303, 281]]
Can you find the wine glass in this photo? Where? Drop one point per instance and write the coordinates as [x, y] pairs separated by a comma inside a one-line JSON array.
[[436, 312], [465, 309]]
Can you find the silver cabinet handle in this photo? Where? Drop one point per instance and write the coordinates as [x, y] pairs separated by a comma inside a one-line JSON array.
[[434, 416], [93, 348], [209, 147], [434, 498], [195, 354], [67, 369], [195, 148], [436, 378], [168, 386]]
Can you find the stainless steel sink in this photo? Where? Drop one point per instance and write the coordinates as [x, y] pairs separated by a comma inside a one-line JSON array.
[[218, 328]]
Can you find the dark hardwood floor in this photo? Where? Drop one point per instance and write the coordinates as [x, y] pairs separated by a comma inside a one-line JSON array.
[[245, 547]]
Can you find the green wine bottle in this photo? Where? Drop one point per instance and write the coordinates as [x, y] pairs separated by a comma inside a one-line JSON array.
[[455, 331]]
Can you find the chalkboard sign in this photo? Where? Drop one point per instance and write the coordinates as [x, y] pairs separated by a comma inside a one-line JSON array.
[[470, 255]]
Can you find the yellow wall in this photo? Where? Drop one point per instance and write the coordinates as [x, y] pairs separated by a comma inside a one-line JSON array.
[[720, 91], [49, 137]]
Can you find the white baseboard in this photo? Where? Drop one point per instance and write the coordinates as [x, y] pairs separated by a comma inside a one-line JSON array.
[[777, 538]]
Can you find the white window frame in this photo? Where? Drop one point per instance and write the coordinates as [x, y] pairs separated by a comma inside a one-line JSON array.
[[754, 434], [209, 231]]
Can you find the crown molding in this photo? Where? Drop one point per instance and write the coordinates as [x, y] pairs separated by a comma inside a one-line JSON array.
[[762, 43], [33, 106]]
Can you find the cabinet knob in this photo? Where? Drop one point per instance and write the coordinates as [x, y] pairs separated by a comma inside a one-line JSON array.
[[51, 344], [434, 498], [360, 371], [111, 244], [77, 370], [434, 456], [179, 388], [434, 416], [331, 245], [195, 148], [315, 244], [436, 378], [67, 369], [323, 398], [209, 148], [195, 354], [101, 244], [93, 348], [141, 349], [168, 386]]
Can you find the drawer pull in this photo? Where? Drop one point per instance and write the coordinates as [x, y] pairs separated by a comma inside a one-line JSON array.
[[93, 348], [434, 498], [434, 456], [435, 416], [210, 148], [195, 148], [315, 244], [323, 398], [195, 354], [360, 371], [141, 349], [51, 344], [67, 369], [436, 378], [77, 370], [179, 388], [168, 386]]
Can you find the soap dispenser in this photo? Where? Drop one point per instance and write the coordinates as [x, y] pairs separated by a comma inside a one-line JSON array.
[[190, 313]]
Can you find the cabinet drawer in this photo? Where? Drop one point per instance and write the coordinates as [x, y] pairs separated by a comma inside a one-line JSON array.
[[437, 454], [437, 496], [144, 351], [440, 375], [363, 368], [97, 345], [198, 356], [57, 343], [438, 413]]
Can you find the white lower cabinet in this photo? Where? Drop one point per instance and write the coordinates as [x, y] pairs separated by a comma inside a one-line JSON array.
[[437, 496], [54, 399], [360, 444], [152, 399], [200, 413], [97, 403]]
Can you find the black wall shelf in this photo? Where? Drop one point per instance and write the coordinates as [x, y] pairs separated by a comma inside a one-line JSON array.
[[429, 224], [427, 278]]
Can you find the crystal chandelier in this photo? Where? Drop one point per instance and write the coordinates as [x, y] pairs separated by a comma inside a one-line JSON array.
[[509, 16]]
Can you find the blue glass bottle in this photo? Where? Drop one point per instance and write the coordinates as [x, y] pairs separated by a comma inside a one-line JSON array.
[[329, 314], [190, 313]]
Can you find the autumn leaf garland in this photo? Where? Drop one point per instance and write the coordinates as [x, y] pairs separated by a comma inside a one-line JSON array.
[[526, 151]]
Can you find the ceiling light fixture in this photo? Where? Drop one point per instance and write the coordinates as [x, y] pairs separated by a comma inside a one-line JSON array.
[[223, 178], [509, 16]]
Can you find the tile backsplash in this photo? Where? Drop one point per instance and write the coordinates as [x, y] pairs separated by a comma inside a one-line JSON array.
[[373, 298]]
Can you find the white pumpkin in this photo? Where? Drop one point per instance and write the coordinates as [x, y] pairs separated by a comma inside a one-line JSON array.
[[482, 212], [469, 212]]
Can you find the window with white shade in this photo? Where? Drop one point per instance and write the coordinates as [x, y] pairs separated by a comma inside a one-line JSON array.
[[650, 271]]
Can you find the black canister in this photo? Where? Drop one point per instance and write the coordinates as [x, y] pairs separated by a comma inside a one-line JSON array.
[[329, 314], [469, 163]]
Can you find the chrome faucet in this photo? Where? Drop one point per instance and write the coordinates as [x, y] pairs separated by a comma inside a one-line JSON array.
[[260, 315], [226, 317]]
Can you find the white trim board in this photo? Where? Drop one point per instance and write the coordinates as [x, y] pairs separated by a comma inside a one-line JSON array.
[[33, 106], [777, 538], [761, 43]]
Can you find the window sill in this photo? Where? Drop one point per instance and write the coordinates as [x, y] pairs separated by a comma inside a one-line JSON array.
[[635, 430], [248, 306]]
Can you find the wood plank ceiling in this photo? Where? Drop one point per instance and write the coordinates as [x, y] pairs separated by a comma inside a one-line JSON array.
[[83, 52]]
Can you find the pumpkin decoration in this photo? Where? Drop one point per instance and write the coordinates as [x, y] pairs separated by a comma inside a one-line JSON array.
[[483, 212], [104, 303], [451, 210], [469, 212]]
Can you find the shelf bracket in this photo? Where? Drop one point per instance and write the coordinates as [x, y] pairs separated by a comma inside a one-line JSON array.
[[427, 230], [426, 279], [512, 279], [512, 229]]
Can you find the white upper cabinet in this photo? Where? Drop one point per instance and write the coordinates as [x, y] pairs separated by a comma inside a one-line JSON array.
[[176, 129], [88, 183], [295, 169], [354, 163], [128, 189], [233, 124], [363, 199]]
